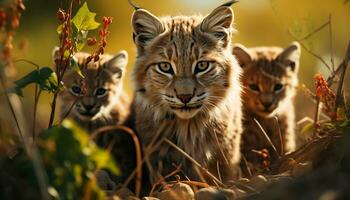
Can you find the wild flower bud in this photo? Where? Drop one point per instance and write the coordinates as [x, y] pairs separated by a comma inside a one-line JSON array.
[[20, 6], [3, 18], [101, 50], [91, 41], [96, 58], [15, 22], [61, 15], [88, 59], [107, 20]]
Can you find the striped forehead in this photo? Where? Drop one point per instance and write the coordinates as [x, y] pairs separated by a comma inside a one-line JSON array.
[[265, 70], [182, 48]]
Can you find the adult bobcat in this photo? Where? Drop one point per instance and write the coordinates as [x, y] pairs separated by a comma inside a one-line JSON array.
[[188, 91], [270, 80]]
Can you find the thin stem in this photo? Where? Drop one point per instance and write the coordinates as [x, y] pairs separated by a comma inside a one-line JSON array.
[[339, 96], [315, 31], [69, 110], [53, 109], [331, 40], [36, 101], [134, 5], [194, 162], [280, 135], [137, 146], [162, 179], [311, 52], [59, 73], [246, 166], [317, 116], [328, 23], [27, 61], [267, 138], [145, 157], [11, 108], [33, 154]]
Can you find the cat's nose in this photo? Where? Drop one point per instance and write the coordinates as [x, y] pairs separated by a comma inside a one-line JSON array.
[[185, 98], [267, 104], [88, 107]]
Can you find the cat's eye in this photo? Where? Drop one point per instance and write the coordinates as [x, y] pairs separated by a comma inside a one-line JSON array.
[[278, 87], [100, 92], [201, 66], [76, 90], [254, 87], [165, 67]]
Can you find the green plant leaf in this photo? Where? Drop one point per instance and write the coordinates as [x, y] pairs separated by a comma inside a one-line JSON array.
[[85, 19], [44, 77], [80, 40], [74, 65], [71, 159], [308, 128], [59, 29], [103, 160]]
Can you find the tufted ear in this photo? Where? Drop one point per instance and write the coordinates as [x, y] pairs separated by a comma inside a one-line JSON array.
[[242, 54], [218, 23], [146, 27], [117, 64], [290, 56]]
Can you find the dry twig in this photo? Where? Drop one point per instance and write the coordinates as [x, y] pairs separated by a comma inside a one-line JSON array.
[[137, 149], [162, 179], [194, 162], [343, 67], [267, 138]]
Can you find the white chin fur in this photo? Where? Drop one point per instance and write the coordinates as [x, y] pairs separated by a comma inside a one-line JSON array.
[[268, 114], [186, 114]]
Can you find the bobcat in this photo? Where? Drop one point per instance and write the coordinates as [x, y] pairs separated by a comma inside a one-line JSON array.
[[187, 81], [270, 80], [97, 99]]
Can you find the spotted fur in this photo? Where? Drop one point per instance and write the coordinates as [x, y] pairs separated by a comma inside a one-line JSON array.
[[270, 80], [188, 91]]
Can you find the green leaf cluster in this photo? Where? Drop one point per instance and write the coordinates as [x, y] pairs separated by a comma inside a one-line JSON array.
[[44, 77], [70, 160], [84, 21]]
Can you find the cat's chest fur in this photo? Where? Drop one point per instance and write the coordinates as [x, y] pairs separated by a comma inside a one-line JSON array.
[[206, 139]]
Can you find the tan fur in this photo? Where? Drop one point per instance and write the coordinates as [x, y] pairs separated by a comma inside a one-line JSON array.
[[267, 67], [107, 73], [209, 132]]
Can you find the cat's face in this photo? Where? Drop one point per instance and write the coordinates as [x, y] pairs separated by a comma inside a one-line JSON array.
[[95, 94], [184, 64], [269, 77]]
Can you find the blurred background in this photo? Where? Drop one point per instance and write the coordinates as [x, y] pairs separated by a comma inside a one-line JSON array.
[[259, 23]]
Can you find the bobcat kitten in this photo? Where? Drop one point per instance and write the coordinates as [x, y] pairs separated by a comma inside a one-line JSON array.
[[97, 99], [270, 80], [187, 80]]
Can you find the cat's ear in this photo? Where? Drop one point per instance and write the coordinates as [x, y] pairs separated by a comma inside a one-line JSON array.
[[242, 54], [146, 27], [218, 23], [117, 64], [290, 56]]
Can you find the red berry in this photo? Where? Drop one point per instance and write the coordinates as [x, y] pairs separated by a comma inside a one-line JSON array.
[[91, 41]]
